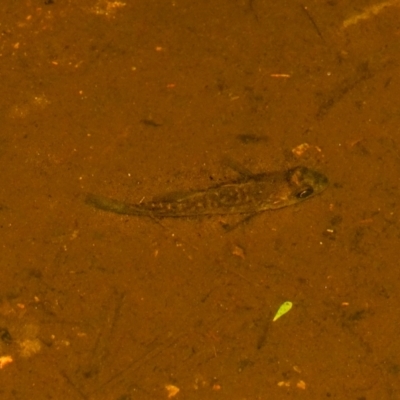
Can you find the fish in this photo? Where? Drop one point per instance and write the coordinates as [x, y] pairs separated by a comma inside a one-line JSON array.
[[248, 195]]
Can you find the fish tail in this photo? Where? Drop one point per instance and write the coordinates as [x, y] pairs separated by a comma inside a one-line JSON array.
[[112, 205]]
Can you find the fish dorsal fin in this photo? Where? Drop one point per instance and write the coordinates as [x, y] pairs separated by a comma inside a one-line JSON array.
[[245, 173], [171, 196]]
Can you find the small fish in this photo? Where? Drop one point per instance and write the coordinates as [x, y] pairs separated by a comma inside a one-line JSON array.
[[248, 195]]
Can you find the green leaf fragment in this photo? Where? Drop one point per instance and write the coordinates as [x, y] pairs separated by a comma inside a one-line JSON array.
[[283, 309]]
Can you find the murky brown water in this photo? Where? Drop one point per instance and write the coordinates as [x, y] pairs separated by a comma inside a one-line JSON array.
[[134, 99]]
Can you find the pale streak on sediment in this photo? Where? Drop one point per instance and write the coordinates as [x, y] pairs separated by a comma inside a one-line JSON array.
[[370, 12]]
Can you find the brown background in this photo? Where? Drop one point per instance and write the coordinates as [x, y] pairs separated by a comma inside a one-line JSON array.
[[135, 98]]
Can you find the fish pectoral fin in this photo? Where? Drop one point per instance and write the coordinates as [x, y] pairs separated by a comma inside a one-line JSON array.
[[245, 220]]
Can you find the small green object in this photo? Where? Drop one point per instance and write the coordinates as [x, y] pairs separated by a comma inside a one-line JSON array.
[[283, 309]]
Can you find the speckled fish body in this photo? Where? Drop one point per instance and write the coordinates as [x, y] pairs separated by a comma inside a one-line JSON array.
[[247, 196]]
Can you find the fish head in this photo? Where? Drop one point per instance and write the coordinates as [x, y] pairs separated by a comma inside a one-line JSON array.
[[305, 183]]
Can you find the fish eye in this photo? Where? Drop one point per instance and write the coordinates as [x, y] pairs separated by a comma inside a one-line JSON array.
[[303, 194]]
